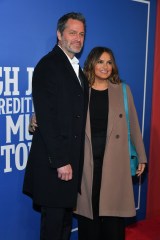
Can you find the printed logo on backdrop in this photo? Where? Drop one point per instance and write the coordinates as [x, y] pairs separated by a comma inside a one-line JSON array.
[[15, 110]]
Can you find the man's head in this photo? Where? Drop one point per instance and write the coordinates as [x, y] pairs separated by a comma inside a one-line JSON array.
[[71, 32]]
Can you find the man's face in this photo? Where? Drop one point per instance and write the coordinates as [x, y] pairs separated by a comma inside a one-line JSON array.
[[72, 38]]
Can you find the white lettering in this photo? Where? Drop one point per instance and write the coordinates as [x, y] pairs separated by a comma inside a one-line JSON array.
[[1, 83], [21, 124], [15, 156], [9, 81], [16, 105], [7, 151], [30, 74], [2, 106], [21, 156], [14, 128]]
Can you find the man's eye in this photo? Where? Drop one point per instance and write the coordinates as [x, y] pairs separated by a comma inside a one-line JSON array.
[[72, 33], [81, 34]]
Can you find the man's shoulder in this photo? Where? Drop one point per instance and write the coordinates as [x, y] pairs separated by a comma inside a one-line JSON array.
[[46, 59], [56, 54]]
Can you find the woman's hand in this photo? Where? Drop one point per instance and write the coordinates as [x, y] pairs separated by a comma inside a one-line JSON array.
[[33, 124], [140, 170]]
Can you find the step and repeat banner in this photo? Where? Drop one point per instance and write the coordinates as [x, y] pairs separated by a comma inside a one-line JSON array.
[[28, 31]]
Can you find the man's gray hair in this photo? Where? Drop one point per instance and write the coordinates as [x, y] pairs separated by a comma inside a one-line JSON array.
[[61, 25]]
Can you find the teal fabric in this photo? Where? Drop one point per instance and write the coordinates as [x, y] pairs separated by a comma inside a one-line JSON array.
[[132, 151]]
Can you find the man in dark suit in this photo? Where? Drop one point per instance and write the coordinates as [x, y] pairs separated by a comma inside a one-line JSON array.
[[60, 97]]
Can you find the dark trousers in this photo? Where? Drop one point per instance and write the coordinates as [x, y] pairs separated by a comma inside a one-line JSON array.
[[56, 223], [101, 228]]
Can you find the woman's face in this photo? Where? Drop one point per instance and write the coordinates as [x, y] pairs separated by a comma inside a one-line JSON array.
[[103, 67]]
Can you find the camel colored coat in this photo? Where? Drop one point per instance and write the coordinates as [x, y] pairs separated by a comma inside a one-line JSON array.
[[116, 195]]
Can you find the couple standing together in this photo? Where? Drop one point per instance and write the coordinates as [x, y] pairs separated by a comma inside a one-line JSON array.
[[80, 146]]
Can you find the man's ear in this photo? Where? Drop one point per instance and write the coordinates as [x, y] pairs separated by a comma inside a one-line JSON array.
[[59, 36]]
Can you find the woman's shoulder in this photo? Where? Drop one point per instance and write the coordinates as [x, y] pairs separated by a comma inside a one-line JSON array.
[[118, 87], [126, 84], [115, 85]]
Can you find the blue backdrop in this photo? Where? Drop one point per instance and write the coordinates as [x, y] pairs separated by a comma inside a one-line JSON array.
[[28, 31]]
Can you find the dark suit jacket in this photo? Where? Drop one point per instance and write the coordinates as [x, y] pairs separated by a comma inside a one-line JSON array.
[[60, 105]]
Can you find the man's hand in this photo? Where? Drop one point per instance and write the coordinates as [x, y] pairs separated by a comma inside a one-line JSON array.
[[65, 172]]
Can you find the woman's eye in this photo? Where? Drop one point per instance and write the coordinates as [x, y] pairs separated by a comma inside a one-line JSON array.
[[99, 61], [103, 62]]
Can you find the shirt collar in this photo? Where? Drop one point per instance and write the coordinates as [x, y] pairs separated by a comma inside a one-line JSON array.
[[73, 60]]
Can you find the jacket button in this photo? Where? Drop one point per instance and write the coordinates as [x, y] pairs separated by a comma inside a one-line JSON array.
[[120, 115], [117, 136], [75, 136], [78, 116]]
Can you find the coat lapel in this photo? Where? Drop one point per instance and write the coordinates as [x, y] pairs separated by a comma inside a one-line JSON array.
[[68, 65], [114, 104]]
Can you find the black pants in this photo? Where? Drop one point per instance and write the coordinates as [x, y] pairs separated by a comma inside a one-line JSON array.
[[101, 228], [56, 223]]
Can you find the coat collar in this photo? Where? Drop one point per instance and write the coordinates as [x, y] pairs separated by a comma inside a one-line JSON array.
[[63, 58]]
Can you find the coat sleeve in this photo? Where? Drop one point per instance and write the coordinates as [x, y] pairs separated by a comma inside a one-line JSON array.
[[136, 136], [45, 92]]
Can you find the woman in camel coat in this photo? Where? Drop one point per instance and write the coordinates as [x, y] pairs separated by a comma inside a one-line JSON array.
[[106, 189]]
